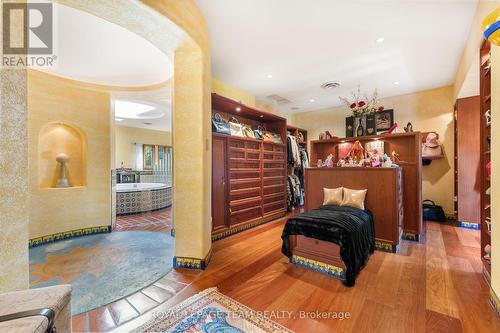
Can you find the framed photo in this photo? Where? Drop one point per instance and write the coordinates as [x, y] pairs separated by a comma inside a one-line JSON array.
[[385, 120]]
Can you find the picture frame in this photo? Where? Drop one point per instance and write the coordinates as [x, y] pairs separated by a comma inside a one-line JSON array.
[[384, 120]]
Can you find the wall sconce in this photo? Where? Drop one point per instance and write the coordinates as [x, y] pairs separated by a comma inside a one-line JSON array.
[[491, 27]]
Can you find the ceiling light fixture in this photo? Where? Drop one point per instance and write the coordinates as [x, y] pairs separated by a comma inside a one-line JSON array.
[[396, 83], [148, 124], [269, 76], [238, 109], [125, 109], [119, 119], [380, 39], [312, 100], [262, 116]]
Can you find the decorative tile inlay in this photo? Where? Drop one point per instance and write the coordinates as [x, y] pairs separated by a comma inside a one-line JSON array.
[[408, 235], [143, 201], [192, 263], [244, 227], [319, 266], [469, 225], [385, 246], [69, 234]]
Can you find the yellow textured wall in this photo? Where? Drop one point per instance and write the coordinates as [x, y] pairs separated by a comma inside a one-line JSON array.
[[430, 110], [473, 43], [192, 133], [495, 170], [53, 100], [126, 137], [14, 269]]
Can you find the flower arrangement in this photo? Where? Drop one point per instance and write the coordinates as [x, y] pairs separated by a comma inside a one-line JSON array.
[[362, 105]]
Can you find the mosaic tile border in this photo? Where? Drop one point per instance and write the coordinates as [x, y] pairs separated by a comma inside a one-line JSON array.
[[385, 246], [468, 225], [193, 263], [318, 266], [411, 236], [69, 234], [143, 201], [244, 227]]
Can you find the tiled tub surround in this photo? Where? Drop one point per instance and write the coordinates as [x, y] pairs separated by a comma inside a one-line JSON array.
[[142, 197]]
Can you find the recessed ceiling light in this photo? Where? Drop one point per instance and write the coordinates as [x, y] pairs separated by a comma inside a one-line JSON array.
[[396, 83], [238, 109], [119, 119], [295, 108], [380, 39], [312, 100], [269, 76], [148, 124], [262, 116]]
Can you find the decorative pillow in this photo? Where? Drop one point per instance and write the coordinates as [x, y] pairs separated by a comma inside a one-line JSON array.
[[354, 198], [332, 196]]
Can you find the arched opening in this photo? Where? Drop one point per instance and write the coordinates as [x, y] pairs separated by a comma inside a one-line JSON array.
[[190, 103]]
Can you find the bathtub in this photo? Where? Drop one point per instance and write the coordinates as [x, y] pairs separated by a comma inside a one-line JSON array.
[[142, 197]]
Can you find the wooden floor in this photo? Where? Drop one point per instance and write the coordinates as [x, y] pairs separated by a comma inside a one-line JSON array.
[[436, 286]]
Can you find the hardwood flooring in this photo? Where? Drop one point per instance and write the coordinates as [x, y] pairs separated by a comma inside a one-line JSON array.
[[431, 286]]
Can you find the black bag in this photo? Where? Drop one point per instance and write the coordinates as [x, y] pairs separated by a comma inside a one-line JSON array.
[[433, 212]]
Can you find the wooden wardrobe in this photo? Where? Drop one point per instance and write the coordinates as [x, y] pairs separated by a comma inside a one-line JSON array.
[[248, 175], [468, 159]]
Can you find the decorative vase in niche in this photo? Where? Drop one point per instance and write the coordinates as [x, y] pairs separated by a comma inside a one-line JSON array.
[[62, 182]]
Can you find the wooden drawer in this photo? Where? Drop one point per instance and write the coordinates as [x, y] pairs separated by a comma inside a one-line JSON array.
[[245, 215], [244, 193], [245, 165]]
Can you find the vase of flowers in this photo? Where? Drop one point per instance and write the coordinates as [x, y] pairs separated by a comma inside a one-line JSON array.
[[364, 110]]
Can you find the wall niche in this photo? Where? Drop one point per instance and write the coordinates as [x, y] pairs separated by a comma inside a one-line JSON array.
[[57, 138]]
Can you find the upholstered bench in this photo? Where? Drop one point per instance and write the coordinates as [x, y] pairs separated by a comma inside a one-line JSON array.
[[21, 303]]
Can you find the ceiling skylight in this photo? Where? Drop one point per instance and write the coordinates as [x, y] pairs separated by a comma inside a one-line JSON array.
[[131, 110]]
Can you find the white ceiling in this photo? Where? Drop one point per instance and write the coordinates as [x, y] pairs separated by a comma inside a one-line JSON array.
[[160, 99], [93, 50], [304, 43]]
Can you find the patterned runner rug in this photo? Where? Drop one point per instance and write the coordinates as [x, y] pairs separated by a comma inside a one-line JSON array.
[[211, 311]]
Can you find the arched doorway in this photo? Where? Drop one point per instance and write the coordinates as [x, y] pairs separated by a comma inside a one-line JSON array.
[[174, 28]]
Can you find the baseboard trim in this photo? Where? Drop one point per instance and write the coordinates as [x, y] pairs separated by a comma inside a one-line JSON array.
[[238, 229], [193, 263], [60, 236], [318, 266], [468, 225]]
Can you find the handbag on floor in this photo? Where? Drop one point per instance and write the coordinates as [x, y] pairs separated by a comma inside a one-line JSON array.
[[235, 127], [219, 125], [433, 212]]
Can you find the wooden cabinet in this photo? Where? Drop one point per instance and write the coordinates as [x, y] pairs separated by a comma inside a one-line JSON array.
[[408, 146], [468, 159], [219, 179], [249, 175], [384, 196], [485, 137]]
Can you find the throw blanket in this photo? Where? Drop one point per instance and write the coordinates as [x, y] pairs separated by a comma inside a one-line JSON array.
[[351, 228]]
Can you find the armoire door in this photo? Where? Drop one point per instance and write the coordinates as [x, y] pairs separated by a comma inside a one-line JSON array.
[[469, 159], [219, 200]]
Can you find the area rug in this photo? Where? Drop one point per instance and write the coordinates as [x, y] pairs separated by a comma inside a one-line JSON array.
[[102, 268], [211, 311]]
